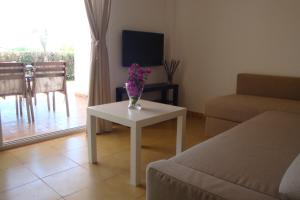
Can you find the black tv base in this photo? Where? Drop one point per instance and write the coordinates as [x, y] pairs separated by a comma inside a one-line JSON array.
[[162, 87]]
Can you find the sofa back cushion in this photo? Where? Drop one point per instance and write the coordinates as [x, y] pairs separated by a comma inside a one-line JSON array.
[[269, 86]]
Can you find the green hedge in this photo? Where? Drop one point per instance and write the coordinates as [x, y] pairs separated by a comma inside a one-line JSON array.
[[29, 57]]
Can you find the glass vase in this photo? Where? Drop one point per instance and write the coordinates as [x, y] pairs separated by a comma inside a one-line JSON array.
[[134, 92]]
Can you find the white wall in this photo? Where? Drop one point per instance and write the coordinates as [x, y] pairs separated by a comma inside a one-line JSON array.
[[141, 15], [216, 39]]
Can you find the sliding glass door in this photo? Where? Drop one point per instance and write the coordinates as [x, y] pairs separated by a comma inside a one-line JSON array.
[[42, 31]]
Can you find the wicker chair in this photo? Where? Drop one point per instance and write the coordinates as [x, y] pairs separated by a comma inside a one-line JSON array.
[[50, 77], [13, 83]]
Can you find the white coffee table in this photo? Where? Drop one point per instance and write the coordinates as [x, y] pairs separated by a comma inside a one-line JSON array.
[[151, 113]]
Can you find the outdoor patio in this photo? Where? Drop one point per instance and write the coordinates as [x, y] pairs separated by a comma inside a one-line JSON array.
[[45, 122]]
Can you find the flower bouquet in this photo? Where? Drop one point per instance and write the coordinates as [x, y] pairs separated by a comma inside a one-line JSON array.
[[135, 84]]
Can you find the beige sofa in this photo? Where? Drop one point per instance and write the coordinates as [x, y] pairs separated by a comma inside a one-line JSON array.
[[255, 94], [247, 162]]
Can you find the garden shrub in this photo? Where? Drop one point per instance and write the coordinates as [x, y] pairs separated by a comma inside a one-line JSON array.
[[29, 57]]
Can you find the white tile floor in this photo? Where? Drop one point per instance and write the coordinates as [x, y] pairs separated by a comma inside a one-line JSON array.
[[59, 169]]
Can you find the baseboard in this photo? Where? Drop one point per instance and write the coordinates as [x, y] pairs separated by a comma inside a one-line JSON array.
[[195, 114]]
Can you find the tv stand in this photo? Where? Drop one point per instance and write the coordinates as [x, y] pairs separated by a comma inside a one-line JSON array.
[[162, 87]]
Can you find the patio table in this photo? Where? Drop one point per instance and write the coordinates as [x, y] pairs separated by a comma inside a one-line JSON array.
[[28, 81]]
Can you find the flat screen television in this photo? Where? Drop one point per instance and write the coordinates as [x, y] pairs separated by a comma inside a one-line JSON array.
[[143, 48]]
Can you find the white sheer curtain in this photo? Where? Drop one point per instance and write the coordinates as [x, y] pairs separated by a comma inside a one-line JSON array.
[[98, 12], [1, 137]]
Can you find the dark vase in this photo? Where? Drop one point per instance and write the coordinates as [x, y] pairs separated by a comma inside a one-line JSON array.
[[170, 79]]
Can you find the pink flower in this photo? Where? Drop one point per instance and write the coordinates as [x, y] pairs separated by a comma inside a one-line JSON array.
[[136, 80]]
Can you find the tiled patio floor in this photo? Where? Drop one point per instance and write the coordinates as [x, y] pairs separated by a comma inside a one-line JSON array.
[[45, 122]]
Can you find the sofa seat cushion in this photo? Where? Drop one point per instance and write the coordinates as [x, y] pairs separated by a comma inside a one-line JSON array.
[[253, 155], [239, 108]]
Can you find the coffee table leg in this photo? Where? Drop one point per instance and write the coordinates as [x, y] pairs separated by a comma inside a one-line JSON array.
[[181, 125], [135, 155], [92, 145]]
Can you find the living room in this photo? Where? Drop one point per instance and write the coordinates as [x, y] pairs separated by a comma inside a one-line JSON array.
[[238, 74]]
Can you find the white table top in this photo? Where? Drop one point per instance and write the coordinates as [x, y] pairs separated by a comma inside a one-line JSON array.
[[150, 113]]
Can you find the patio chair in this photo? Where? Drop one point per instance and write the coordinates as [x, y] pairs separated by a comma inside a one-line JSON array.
[[13, 83], [50, 77]]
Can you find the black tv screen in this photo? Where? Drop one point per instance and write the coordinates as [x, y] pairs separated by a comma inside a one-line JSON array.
[[143, 48]]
